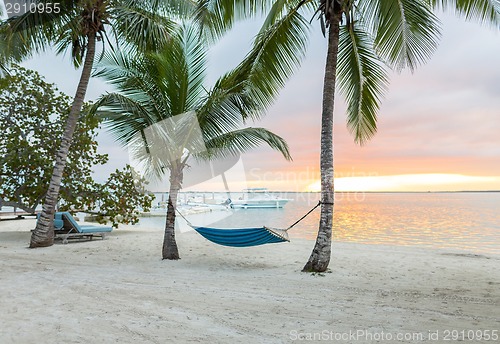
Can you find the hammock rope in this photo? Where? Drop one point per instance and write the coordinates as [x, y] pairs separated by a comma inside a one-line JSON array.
[[244, 237], [303, 217]]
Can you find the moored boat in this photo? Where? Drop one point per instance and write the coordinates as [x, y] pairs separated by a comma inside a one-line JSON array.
[[258, 198]]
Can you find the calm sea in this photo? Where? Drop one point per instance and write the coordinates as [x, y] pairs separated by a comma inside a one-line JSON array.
[[461, 221]]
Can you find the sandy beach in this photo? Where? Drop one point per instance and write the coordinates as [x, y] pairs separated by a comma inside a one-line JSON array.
[[119, 290]]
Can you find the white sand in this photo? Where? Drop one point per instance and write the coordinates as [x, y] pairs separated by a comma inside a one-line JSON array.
[[118, 290]]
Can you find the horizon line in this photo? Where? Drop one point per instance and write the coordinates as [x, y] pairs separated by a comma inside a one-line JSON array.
[[319, 192]]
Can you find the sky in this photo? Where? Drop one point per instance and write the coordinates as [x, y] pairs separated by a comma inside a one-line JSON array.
[[438, 128]]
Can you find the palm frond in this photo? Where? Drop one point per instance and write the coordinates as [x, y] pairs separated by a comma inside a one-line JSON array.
[[117, 67], [254, 84], [485, 11], [406, 31], [275, 12], [171, 75], [179, 70], [174, 9], [123, 116], [71, 38], [210, 16], [362, 79], [224, 115], [275, 56], [215, 17], [32, 32], [153, 88], [143, 29], [179, 8], [136, 78], [241, 141], [195, 52], [172, 78], [167, 142]]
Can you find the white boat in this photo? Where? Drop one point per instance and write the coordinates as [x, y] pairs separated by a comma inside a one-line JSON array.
[[258, 198]]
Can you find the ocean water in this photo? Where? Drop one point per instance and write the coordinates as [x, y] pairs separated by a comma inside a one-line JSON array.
[[460, 221]]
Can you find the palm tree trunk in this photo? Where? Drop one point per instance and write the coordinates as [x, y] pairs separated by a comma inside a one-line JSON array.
[[170, 250], [43, 235], [320, 256]]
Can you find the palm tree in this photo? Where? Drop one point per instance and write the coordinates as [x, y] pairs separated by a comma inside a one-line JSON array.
[[160, 95], [77, 25], [361, 36], [3, 60], [404, 34], [364, 36]]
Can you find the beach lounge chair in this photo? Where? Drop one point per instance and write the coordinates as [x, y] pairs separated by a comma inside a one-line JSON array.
[[67, 228]]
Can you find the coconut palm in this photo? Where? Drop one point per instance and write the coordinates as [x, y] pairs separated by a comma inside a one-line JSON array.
[[77, 26], [160, 94], [361, 36], [364, 38], [3, 59], [3, 67]]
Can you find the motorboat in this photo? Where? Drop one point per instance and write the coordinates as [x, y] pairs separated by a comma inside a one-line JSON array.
[[258, 198]]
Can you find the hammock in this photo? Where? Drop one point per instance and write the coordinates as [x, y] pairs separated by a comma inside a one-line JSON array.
[[244, 237]]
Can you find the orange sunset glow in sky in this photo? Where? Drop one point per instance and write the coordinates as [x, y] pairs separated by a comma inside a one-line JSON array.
[[438, 129]]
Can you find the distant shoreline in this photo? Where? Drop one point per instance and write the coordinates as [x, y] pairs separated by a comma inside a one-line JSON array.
[[318, 192], [8, 209]]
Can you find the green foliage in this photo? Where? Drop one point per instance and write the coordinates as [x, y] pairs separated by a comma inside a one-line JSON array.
[[156, 87], [164, 115], [33, 114], [375, 35], [362, 79], [484, 11], [118, 200], [144, 25]]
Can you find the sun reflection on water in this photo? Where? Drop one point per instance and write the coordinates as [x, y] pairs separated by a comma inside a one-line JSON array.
[[462, 221]]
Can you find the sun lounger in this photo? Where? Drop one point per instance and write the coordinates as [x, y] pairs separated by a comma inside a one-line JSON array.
[[67, 228]]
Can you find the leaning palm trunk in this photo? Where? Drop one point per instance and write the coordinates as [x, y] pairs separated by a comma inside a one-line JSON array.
[[43, 235], [320, 256], [170, 250]]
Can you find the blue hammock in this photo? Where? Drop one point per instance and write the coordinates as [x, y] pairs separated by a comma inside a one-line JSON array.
[[242, 237]]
